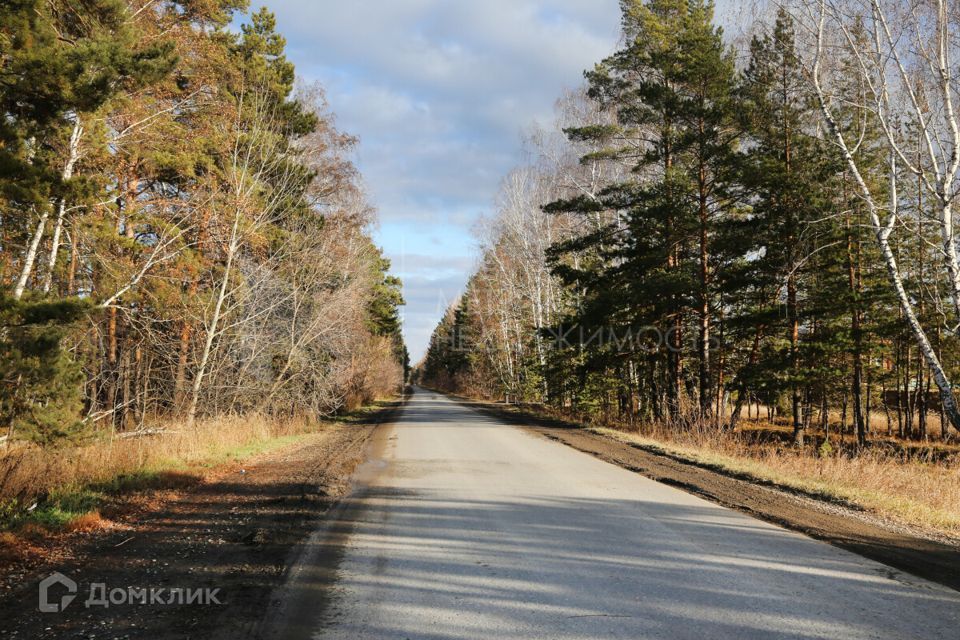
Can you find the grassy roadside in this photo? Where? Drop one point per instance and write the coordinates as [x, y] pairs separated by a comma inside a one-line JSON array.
[[897, 487], [907, 491], [63, 490]]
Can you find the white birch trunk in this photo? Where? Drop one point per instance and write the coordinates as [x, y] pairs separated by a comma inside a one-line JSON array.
[[883, 231], [31, 256], [214, 321], [30, 259], [62, 205]]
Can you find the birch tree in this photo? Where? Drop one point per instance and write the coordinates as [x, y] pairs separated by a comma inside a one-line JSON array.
[[907, 70], [262, 180]]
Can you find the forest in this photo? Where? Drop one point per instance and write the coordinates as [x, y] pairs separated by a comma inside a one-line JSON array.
[[183, 233], [720, 229]]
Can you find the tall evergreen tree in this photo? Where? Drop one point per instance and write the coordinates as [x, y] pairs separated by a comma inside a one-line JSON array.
[[670, 88], [785, 175]]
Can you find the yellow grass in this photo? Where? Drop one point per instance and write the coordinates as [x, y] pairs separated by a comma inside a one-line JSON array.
[[66, 485], [87, 522], [894, 486]]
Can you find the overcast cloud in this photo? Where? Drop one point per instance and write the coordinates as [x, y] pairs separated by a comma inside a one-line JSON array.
[[439, 91]]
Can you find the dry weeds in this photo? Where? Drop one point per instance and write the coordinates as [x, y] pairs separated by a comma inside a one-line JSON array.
[[65, 484], [893, 484]]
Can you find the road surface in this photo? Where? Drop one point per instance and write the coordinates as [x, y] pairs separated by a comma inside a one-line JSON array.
[[466, 528]]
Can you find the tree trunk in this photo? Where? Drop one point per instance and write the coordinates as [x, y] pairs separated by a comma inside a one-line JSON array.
[[214, 321], [72, 267], [110, 401], [62, 205], [796, 398], [704, 338], [742, 393], [31, 256], [855, 329]]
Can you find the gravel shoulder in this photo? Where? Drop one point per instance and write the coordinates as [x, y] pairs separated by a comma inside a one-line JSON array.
[[235, 532], [841, 526]]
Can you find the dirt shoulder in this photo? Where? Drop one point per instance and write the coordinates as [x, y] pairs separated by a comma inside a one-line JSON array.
[[234, 532], [841, 526]]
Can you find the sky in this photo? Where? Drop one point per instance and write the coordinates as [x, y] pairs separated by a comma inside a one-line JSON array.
[[439, 93]]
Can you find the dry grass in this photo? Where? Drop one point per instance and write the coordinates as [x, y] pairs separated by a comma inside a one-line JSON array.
[[888, 483], [91, 521], [62, 488]]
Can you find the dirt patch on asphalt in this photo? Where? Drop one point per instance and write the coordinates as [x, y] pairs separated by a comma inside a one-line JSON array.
[[937, 561], [234, 532]]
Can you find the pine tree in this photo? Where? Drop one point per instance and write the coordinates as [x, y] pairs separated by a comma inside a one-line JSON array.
[[670, 88], [61, 63], [383, 308], [261, 53], [707, 114], [41, 392], [784, 175]]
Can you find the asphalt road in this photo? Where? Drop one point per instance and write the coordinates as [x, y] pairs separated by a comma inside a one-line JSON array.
[[466, 528]]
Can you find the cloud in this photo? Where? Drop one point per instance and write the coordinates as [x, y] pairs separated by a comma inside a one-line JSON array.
[[438, 91], [414, 263]]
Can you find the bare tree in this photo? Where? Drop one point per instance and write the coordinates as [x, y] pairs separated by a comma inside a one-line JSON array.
[[261, 180]]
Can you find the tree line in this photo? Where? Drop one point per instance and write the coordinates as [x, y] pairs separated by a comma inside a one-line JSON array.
[[182, 231], [719, 227]]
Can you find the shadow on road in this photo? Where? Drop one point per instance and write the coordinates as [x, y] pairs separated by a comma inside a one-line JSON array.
[[412, 558]]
